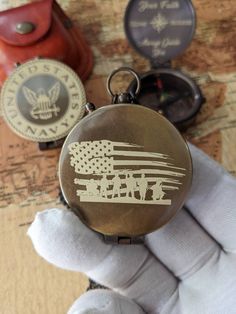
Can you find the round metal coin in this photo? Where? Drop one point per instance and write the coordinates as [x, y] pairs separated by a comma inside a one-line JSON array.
[[125, 170], [42, 100]]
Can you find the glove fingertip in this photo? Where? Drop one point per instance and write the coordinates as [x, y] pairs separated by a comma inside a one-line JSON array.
[[63, 240], [104, 302]]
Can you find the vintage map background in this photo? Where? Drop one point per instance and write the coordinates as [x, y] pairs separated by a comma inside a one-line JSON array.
[[28, 177]]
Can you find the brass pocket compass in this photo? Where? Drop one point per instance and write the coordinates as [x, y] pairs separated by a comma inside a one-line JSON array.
[[160, 31], [124, 169]]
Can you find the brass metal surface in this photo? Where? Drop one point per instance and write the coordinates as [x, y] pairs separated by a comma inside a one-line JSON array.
[[125, 170]]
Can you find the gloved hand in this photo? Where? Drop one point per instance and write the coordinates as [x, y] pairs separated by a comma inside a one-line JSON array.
[[186, 267]]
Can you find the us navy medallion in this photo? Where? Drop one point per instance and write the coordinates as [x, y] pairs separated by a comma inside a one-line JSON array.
[[42, 100]]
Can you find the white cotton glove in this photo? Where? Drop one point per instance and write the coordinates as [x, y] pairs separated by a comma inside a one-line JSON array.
[[186, 267]]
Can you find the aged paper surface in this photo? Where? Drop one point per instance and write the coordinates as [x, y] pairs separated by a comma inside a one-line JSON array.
[[28, 177]]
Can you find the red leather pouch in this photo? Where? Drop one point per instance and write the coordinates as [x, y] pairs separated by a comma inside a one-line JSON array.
[[41, 29]]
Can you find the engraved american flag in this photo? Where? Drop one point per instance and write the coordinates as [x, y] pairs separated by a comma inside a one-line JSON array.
[[104, 157]]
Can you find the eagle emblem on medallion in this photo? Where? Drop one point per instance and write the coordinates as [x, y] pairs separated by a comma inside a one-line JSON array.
[[43, 102]]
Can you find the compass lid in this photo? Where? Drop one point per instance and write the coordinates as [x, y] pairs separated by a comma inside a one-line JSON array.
[[125, 170], [160, 30], [42, 100]]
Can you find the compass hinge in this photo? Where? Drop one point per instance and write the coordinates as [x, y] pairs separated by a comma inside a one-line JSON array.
[[155, 65], [123, 240]]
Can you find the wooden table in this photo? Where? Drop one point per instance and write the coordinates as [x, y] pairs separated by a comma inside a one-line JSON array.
[[29, 180]]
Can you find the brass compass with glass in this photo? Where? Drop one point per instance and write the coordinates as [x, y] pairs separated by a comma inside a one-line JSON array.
[[124, 169], [160, 31], [42, 100]]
